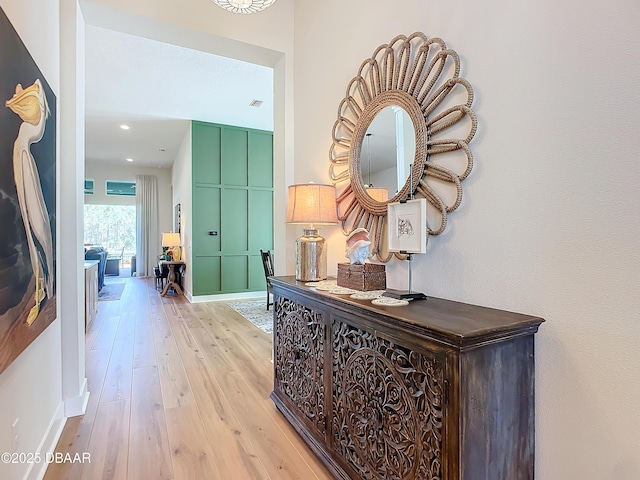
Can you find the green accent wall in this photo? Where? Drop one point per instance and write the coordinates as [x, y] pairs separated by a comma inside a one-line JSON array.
[[233, 196]]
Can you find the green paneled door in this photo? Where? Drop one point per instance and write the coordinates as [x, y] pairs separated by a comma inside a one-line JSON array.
[[235, 273], [235, 168], [256, 273], [206, 220], [207, 275], [261, 159], [206, 153], [260, 219], [233, 196], [235, 221]]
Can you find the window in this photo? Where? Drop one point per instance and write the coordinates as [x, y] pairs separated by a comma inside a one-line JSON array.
[[113, 227], [122, 188], [88, 186]]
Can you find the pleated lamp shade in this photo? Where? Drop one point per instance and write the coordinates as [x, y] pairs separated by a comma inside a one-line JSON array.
[[311, 204], [171, 240]]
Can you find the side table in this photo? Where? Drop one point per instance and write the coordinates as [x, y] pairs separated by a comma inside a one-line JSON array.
[[172, 277]]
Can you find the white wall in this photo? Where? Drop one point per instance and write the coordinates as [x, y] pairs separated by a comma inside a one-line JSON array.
[[100, 173], [70, 227], [181, 180], [550, 218], [31, 387]]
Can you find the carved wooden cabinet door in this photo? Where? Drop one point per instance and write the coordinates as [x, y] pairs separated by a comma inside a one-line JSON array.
[[388, 406], [299, 360]]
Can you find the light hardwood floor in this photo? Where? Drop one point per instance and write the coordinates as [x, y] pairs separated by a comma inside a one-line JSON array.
[[179, 391]]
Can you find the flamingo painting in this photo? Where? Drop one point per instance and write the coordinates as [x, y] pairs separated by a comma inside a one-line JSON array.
[[30, 104]]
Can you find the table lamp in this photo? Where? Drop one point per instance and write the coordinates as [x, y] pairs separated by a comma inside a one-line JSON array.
[[311, 204], [171, 240]]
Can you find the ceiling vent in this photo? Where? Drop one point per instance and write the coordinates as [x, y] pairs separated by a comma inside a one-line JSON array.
[[255, 103]]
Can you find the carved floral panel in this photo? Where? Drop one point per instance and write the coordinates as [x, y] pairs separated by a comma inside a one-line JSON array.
[[388, 406], [299, 362]]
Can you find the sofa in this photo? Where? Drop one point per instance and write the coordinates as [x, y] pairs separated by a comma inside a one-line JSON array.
[[100, 254]]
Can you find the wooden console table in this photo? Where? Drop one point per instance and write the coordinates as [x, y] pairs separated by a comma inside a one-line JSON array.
[[171, 281], [434, 390]]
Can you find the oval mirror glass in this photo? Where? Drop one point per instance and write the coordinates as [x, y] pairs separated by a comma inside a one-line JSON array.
[[388, 148]]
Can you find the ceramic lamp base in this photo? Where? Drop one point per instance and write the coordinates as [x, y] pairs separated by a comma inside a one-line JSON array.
[[311, 257]]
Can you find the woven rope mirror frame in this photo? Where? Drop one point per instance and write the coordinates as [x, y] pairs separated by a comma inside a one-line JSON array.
[[421, 76]]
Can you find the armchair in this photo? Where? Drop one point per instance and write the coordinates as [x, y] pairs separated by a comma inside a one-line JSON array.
[[113, 263]]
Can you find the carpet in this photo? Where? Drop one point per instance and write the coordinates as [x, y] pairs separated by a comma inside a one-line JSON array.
[[110, 292], [256, 312]]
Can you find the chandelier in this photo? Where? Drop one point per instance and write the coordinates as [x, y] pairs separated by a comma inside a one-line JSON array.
[[244, 6]]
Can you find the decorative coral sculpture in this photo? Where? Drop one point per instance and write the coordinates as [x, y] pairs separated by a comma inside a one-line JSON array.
[[358, 243]]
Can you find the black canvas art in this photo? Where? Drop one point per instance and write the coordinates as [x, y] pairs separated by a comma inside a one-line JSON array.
[[27, 197]]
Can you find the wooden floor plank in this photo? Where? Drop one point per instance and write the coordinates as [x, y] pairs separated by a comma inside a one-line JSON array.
[[149, 452], [107, 334], [191, 450], [96, 369], [126, 327], [176, 390], [117, 383], [234, 455], [255, 411], [109, 442], [92, 332], [74, 440], [200, 373], [144, 354]]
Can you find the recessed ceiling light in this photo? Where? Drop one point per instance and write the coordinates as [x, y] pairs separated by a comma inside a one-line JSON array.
[[129, 159], [124, 126]]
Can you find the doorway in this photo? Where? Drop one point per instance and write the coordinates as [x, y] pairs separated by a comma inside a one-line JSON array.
[[112, 227]]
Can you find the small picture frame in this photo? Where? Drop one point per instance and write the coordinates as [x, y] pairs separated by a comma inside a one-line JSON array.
[[407, 227], [177, 218]]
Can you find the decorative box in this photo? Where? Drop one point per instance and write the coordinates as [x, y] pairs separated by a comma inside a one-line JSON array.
[[370, 276]]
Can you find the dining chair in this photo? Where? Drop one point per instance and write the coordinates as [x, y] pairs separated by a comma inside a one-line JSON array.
[[267, 264]]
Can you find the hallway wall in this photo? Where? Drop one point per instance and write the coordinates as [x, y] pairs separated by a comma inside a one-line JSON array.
[[549, 221], [31, 387]]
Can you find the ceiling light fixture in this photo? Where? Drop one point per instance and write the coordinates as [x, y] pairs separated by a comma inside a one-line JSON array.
[[129, 159], [245, 7], [256, 103], [124, 126]]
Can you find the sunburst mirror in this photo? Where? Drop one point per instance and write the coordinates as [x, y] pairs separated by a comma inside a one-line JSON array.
[[424, 151]]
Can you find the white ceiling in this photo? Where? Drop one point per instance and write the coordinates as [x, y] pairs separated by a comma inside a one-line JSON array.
[[156, 89]]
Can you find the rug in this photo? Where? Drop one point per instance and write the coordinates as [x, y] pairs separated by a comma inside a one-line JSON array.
[[110, 292], [256, 312]]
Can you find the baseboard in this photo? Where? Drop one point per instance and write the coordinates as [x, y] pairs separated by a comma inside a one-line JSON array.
[[36, 471], [227, 297], [77, 405]]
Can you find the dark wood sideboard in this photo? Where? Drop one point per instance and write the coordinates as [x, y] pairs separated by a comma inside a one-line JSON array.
[[434, 390]]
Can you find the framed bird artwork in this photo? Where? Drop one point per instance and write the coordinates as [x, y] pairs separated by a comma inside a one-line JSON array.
[[27, 197]]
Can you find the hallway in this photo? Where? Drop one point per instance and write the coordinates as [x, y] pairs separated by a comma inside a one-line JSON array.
[[179, 391]]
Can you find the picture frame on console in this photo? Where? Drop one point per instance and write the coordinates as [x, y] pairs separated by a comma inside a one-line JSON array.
[[407, 228]]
